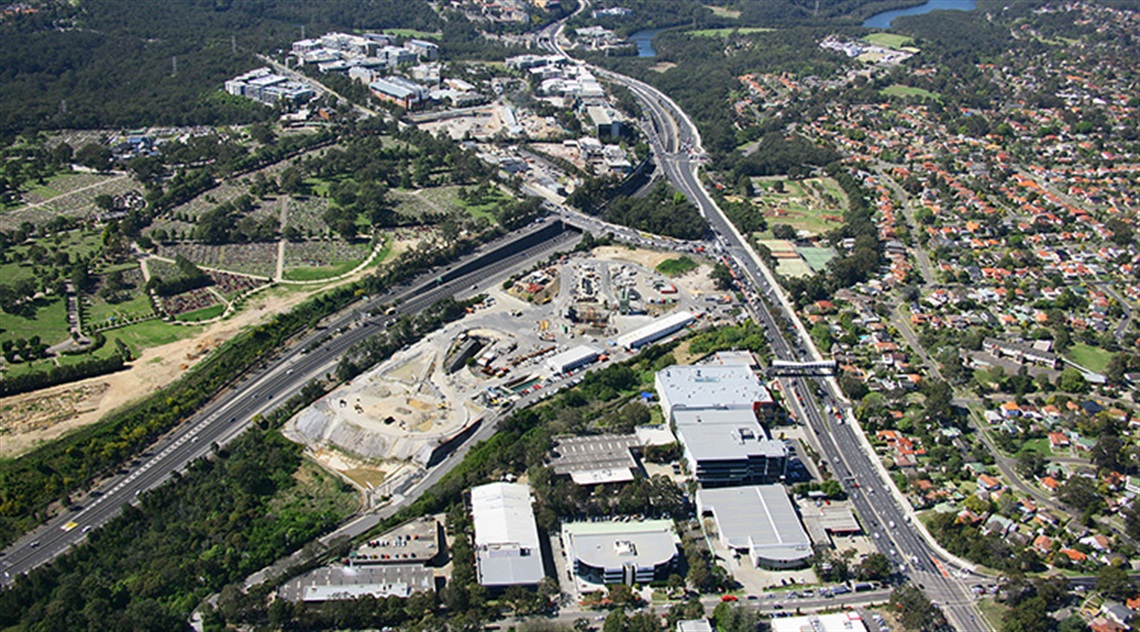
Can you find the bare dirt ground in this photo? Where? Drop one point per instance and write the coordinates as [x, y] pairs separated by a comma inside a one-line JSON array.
[[31, 419]]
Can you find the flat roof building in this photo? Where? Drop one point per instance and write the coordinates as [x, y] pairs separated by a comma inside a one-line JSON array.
[[729, 447], [572, 358], [848, 621], [405, 92], [759, 520], [621, 552], [507, 551], [334, 583], [593, 460], [711, 387], [656, 330]]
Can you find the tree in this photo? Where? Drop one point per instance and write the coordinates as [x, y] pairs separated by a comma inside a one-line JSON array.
[[1080, 493], [1107, 453], [1114, 582], [874, 567], [1072, 381], [1030, 463], [722, 277], [783, 231]]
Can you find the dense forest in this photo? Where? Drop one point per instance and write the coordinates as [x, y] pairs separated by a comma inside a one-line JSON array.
[[111, 63]]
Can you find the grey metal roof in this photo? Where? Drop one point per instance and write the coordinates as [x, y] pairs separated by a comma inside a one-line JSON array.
[[759, 518]]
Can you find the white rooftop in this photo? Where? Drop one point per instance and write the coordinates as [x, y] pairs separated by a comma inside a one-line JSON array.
[[611, 545], [849, 621], [503, 514], [709, 387]]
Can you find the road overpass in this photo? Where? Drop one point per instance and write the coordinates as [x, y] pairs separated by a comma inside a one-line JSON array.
[[676, 143]]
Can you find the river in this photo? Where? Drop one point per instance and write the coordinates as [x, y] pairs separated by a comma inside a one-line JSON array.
[[883, 20], [644, 41]]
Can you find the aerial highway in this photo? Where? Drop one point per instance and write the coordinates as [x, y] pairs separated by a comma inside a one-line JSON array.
[[261, 392], [815, 401]]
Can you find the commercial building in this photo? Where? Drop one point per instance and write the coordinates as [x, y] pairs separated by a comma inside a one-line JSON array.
[[404, 92], [265, 86], [848, 621], [694, 625], [621, 552], [333, 583], [708, 387], [507, 551], [729, 447], [573, 358], [759, 521], [605, 122], [596, 459], [656, 330], [426, 51]]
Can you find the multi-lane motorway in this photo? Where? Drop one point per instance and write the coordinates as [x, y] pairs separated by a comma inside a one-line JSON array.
[[815, 401], [259, 393]]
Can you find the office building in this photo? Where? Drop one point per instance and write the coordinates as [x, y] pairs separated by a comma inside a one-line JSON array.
[[621, 552], [729, 447]]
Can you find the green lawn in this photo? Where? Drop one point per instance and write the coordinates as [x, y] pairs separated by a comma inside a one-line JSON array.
[[898, 90], [1039, 445], [1092, 358], [318, 273], [413, 33], [100, 311], [48, 321], [814, 205], [677, 267], [747, 30], [888, 40], [151, 333], [206, 313], [992, 611], [723, 12]]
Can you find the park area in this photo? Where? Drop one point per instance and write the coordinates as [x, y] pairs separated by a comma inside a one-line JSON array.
[[814, 205]]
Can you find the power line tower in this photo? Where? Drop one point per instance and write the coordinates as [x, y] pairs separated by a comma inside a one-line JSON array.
[[174, 66]]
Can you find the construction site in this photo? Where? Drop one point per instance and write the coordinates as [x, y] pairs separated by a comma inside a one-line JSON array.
[[547, 326]]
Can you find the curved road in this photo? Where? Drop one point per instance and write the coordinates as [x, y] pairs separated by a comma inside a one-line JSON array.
[[676, 142], [231, 412]]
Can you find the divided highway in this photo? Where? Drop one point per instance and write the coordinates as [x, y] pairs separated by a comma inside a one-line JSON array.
[[231, 412], [676, 143]]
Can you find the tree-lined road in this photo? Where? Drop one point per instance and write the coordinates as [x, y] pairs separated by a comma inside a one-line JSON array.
[[260, 393]]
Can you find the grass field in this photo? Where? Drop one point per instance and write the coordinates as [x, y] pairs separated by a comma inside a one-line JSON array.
[[747, 30], [723, 12], [908, 91], [815, 205], [1092, 358], [888, 40], [992, 611], [100, 311], [206, 313], [414, 33], [151, 333], [1040, 445], [676, 267], [48, 321]]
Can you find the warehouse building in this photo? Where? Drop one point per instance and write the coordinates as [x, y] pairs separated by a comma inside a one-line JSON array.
[[708, 387], [621, 552], [759, 521], [656, 330], [849, 621], [507, 551], [404, 92], [573, 358], [596, 459], [729, 447]]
